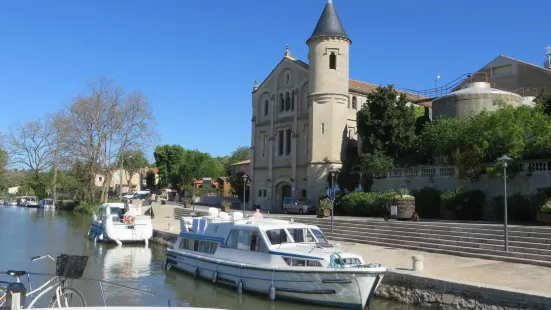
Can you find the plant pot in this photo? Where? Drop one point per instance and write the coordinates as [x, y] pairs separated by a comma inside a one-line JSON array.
[[544, 217], [187, 204], [225, 209], [326, 212], [405, 209]]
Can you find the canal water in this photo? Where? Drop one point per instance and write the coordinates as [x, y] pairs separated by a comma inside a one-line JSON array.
[[32, 232]]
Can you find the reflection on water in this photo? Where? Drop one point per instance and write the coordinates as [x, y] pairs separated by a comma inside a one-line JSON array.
[[31, 232]]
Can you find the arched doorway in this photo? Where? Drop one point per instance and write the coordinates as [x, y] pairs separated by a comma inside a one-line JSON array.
[[282, 190]]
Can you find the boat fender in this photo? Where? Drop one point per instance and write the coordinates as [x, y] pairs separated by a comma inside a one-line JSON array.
[[88, 235], [214, 276], [196, 273], [101, 237], [240, 287], [272, 293]]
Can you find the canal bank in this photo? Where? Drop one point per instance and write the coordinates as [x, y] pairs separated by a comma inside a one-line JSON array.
[[447, 282]]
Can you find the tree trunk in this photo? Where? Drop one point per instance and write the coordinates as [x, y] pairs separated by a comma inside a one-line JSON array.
[[54, 179]]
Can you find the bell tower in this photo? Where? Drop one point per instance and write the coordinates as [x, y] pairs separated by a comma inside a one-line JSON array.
[[328, 84]]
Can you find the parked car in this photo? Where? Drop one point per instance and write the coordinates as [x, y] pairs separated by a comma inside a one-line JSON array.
[[300, 206]]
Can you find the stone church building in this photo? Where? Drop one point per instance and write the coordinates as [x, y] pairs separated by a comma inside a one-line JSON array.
[[304, 117]]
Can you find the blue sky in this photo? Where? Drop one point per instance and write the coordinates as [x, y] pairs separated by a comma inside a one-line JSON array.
[[197, 60]]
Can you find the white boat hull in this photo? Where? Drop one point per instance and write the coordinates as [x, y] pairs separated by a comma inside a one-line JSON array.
[[120, 232], [350, 289]]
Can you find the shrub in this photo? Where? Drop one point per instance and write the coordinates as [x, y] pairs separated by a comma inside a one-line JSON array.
[[367, 204], [325, 204], [427, 202], [87, 208], [520, 208], [546, 207], [466, 205], [226, 204]]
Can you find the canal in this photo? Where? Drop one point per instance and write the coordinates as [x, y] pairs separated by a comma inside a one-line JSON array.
[[31, 232]]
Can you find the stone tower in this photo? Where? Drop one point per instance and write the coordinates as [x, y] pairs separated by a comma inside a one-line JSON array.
[[328, 97]]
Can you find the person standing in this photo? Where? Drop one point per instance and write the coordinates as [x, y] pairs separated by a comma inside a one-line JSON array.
[[257, 213]]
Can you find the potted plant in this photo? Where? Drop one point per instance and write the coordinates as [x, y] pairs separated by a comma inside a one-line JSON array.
[[226, 206], [544, 214], [324, 208], [405, 205], [187, 203]]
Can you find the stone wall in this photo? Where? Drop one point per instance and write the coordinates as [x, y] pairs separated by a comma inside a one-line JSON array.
[[439, 294], [533, 175]]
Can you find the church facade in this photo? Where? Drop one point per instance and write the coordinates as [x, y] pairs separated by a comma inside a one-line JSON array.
[[304, 118]]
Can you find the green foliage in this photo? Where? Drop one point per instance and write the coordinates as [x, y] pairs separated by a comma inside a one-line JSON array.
[[543, 103], [427, 202], [325, 204], [167, 159], [386, 124], [349, 176], [367, 204], [237, 185], [546, 207], [87, 208], [520, 132], [226, 204], [132, 162], [150, 179], [38, 182], [464, 204]]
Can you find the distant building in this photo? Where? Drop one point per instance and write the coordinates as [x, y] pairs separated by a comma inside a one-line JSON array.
[[13, 190], [242, 166]]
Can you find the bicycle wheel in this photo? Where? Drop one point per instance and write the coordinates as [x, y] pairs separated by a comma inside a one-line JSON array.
[[3, 289], [70, 297]]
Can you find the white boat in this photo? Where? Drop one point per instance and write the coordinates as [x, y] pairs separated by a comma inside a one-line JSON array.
[[112, 225], [31, 202], [274, 257], [46, 204]]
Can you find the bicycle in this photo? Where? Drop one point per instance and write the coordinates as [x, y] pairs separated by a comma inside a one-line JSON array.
[[67, 267]]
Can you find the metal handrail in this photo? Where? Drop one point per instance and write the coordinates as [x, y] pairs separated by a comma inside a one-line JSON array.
[[169, 299]]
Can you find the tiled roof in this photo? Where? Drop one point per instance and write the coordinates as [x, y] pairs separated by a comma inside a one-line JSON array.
[[245, 162], [366, 88]]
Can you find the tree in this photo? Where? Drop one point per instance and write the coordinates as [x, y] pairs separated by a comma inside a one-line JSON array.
[[167, 159], [30, 145], [237, 184], [242, 153], [386, 127], [197, 165], [106, 121], [150, 179], [386, 123], [543, 102], [132, 162]]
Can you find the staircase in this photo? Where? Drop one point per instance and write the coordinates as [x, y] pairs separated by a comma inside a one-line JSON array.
[[527, 244]]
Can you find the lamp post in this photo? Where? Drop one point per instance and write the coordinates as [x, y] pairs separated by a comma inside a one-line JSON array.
[[120, 175], [245, 177], [504, 160], [436, 84], [193, 195], [333, 175]]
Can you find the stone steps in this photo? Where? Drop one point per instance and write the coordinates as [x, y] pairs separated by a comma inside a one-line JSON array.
[[526, 244]]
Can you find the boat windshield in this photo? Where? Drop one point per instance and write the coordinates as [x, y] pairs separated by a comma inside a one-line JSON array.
[[301, 234], [319, 235], [277, 236]]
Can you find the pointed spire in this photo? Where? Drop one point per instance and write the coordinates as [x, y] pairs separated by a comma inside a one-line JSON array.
[[287, 51], [255, 86], [329, 23]]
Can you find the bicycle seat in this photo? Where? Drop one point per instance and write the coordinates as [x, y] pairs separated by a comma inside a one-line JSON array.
[[16, 273]]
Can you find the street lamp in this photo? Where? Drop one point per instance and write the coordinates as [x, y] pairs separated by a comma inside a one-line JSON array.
[[436, 84], [333, 176], [120, 175], [245, 177], [193, 195], [504, 160]]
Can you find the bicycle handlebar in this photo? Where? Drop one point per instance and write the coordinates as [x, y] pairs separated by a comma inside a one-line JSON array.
[[35, 258]]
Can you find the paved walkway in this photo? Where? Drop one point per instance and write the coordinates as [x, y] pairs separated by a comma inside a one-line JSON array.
[[529, 279]]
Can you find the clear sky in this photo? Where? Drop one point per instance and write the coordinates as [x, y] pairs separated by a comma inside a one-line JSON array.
[[197, 60]]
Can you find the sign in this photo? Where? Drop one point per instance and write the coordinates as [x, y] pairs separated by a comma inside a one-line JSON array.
[[297, 193], [393, 210], [293, 188], [331, 194]]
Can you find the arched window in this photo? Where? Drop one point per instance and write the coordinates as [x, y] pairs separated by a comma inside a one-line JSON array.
[[287, 102], [281, 103], [333, 61], [354, 103], [266, 106]]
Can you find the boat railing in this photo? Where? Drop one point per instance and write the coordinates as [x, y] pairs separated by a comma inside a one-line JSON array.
[[170, 302]]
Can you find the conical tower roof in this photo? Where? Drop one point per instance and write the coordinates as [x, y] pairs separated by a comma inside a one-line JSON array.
[[329, 24]]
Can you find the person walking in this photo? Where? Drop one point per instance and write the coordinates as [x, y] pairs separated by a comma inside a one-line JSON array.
[[257, 213]]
